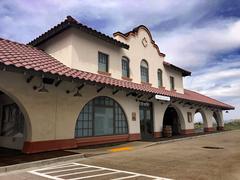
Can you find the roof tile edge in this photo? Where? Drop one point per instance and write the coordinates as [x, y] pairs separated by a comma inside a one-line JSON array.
[[71, 22]]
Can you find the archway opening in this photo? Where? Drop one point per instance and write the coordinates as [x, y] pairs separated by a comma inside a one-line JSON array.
[[101, 116], [198, 122], [172, 120], [12, 124]]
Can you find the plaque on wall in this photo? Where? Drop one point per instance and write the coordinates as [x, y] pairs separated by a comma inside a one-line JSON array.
[[133, 116]]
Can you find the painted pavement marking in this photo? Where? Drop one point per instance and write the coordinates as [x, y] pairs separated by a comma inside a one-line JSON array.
[[76, 171], [121, 149]]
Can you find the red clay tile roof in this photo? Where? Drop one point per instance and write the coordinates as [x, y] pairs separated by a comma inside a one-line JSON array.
[[70, 22], [23, 56], [184, 72]]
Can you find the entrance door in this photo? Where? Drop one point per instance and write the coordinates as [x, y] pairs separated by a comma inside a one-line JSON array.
[[146, 120]]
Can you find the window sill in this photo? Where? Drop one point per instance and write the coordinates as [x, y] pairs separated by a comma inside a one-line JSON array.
[[161, 87], [146, 83], [126, 78], [104, 73], [174, 90]]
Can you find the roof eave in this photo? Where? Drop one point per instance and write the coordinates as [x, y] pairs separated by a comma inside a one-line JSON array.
[[69, 24], [183, 71]]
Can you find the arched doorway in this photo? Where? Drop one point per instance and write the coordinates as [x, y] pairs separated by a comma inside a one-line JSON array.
[[199, 121], [13, 131], [171, 118], [101, 116]]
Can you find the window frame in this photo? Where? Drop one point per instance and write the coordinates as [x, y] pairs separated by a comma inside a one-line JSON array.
[[107, 61], [160, 79], [172, 83], [146, 69], [125, 59], [87, 116]]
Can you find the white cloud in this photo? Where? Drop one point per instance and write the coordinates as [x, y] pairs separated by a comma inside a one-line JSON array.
[[194, 47], [120, 14], [220, 81]]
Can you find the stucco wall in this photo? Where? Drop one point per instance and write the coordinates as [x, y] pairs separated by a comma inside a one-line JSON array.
[[79, 50], [137, 52], [53, 115], [60, 47]]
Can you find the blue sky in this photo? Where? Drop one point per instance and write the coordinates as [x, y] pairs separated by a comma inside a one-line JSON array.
[[202, 36]]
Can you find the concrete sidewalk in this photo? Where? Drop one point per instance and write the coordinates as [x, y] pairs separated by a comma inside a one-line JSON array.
[[129, 146]]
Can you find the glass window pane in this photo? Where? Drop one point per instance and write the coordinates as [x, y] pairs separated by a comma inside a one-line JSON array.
[[103, 124], [125, 67], [102, 62], [107, 114], [160, 84], [144, 74], [85, 132], [172, 83]]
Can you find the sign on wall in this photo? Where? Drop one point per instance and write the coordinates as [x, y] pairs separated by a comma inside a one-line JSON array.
[[162, 98], [133, 116]]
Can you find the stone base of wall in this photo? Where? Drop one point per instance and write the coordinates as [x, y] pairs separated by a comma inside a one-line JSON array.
[[210, 129], [220, 128], [157, 134], [51, 145], [81, 142], [187, 131], [134, 137]]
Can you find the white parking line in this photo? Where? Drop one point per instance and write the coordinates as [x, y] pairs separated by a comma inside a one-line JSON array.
[[51, 172], [80, 174], [96, 175], [59, 166], [95, 170], [127, 177]]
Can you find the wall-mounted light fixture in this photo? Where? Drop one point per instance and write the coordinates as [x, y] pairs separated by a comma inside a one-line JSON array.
[[76, 90], [41, 88], [77, 94]]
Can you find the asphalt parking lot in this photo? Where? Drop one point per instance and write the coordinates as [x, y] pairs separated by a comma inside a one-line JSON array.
[[216, 156]]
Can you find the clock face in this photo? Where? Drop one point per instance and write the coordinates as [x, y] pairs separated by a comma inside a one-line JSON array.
[[144, 42]]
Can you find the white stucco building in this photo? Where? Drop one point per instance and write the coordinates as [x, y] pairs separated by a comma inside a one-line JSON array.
[[74, 86]]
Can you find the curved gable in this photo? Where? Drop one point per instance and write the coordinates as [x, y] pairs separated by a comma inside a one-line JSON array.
[[135, 32]]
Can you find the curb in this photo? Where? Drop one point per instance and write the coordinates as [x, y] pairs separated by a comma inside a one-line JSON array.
[[187, 138], [21, 166]]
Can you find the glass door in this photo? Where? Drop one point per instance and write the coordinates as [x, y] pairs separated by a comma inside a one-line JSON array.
[[146, 120]]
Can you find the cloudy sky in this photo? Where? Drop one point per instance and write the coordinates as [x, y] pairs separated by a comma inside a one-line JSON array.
[[202, 36]]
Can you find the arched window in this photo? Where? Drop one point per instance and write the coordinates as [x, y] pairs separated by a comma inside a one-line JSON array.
[[160, 81], [101, 116], [125, 67], [144, 71]]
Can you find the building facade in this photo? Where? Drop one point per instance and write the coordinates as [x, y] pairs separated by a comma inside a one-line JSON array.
[[74, 86]]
